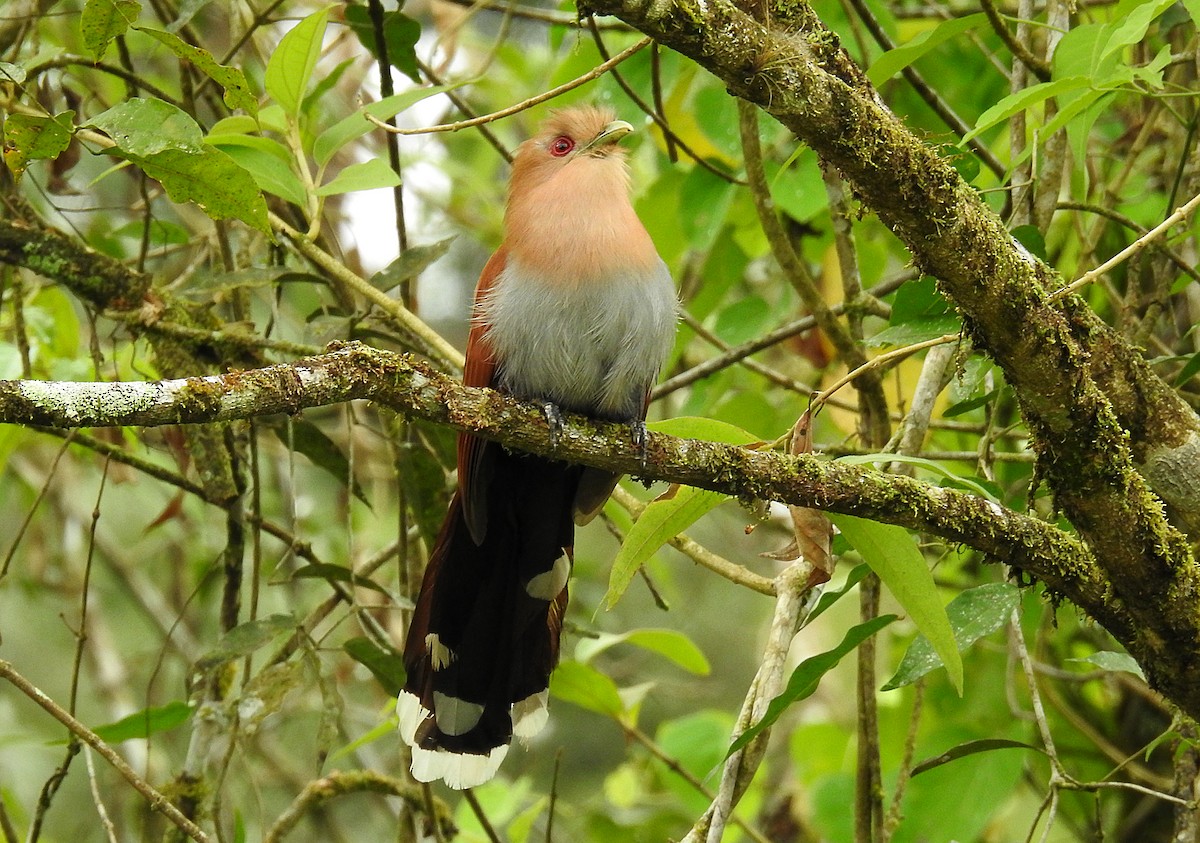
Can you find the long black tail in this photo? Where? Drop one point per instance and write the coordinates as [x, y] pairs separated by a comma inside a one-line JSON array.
[[484, 636]]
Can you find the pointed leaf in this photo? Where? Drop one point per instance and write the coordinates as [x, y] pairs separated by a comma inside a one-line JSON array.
[[661, 520], [586, 687], [365, 175], [231, 79], [212, 180], [898, 58], [356, 125], [807, 676], [400, 32], [143, 126], [291, 66], [29, 137], [891, 553], [104, 20], [973, 614], [245, 638], [971, 748], [1024, 99], [711, 430], [412, 262], [337, 573], [387, 666], [668, 643], [261, 158], [1108, 660], [147, 722]]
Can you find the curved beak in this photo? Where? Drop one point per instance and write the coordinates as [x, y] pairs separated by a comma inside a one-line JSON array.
[[610, 134]]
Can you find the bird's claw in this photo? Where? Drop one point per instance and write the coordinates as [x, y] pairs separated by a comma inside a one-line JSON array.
[[638, 431], [554, 421]]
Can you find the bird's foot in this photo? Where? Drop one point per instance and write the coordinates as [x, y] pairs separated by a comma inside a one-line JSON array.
[[637, 430], [554, 421]]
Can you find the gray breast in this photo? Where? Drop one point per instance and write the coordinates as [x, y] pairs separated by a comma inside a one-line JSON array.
[[593, 347]]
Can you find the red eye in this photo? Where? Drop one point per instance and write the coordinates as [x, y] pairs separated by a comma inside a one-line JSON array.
[[560, 146]]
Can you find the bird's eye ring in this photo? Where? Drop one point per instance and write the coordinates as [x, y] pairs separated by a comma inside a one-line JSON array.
[[560, 146]]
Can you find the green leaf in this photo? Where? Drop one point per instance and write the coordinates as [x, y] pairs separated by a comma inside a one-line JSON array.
[[662, 519], [707, 198], [356, 125], [231, 79], [104, 20], [212, 180], [291, 66], [919, 300], [1193, 9], [10, 72], [699, 427], [828, 598], [1023, 100], [147, 722], [807, 676], [387, 666], [971, 748], [1114, 662], [973, 614], [337, 573], [668, 643], [1133, 27], [308, 439], [1189, 370], [918, 330], [895, 60], [891, 553], [400, 32], [245, 638], [30, 137], [267, 161], [143, 126], [365, 175], [412, 262], [586, 687]]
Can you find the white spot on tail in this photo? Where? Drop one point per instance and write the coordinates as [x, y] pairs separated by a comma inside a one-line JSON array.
[[549, 584], [458, 770], [411, 715], [530, 715], [453, 715], [439, 654]]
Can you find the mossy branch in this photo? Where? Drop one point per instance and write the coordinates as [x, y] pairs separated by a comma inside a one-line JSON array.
[[1097, 412], [412, 387]]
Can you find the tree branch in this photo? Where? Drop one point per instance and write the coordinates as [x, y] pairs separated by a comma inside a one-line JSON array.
[[1094, 406], [412, 387]]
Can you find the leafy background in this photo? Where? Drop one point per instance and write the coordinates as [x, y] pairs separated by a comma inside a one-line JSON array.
[[153, 580]]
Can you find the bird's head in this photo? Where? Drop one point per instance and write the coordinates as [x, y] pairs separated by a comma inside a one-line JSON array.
[[579, 143]]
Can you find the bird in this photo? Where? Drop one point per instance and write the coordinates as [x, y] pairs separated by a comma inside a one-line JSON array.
[[577, 311]]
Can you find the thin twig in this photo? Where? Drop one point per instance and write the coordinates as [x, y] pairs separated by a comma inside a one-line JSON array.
[[156, 800], [595, 73], [428, 340], [1181, 213], [97, 800], [876, 362], [780, 334], [672, 140], [731, 571], [484, 822]]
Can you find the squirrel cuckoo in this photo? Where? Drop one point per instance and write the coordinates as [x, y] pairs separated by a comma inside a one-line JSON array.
[[575, 310]]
